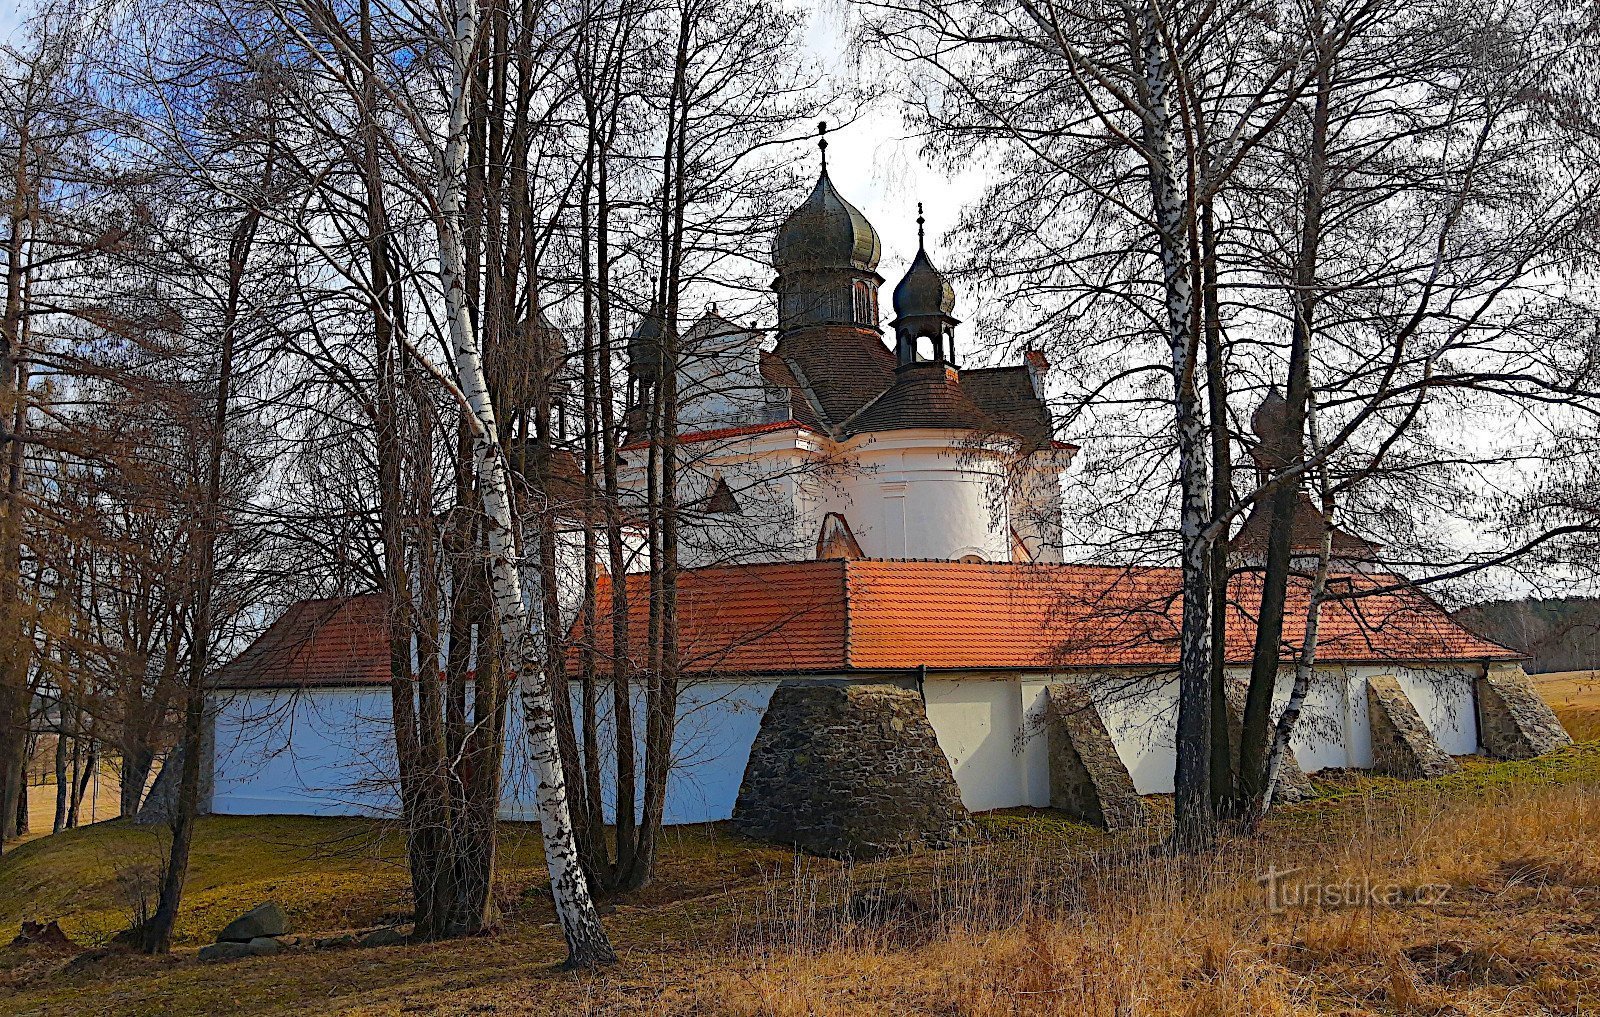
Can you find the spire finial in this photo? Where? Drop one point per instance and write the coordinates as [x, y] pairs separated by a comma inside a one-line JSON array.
[[920, 221], [822, 143]]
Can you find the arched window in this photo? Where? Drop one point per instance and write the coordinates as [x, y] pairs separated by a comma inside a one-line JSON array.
[[863, 308], [972, 559]]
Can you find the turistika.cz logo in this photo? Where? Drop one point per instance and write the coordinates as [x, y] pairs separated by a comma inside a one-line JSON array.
[[1285, 892]]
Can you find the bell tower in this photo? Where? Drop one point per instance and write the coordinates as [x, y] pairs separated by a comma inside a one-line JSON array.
[[826, 255]]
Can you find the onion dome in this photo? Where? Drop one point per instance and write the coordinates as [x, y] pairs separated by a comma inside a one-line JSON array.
[[826, 231], [1274, 447], [923, 291], [923, 302]]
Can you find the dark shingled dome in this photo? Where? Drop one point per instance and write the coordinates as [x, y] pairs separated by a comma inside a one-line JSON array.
[[826, 231], [923, 291]]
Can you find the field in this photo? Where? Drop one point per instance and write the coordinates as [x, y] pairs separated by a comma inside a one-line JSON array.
[[1477, 894], [1575, 695]]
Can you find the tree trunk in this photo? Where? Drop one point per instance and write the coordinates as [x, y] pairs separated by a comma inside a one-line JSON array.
[[157, 936], [1194, 820], [587, 944], [1266, 660], [1305, 662]]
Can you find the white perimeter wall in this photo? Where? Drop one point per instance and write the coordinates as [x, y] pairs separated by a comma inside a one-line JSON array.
[[327, 752]]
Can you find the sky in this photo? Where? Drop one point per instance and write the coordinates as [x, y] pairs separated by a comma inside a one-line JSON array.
[[875, 163]]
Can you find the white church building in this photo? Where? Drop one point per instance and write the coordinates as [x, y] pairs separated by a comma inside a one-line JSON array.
[[864, 511]]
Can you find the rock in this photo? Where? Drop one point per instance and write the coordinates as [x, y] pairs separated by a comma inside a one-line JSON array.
[[849, 771], [1513, 722], [1293, 784], [262, 945], [334, 942], [227, 950], [262, 920], [1088, 780], [382, 937], [1402, 745]]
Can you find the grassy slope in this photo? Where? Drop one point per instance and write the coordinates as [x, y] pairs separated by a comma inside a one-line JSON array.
[[736, 927], [1575, 695]]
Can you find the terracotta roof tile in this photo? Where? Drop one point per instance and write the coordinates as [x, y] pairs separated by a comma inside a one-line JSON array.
[[875, 614], [880, 614], [317, 643], [724, 433], [924, 394]]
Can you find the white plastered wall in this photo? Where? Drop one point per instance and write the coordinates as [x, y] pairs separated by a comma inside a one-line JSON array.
[[921, 494], [329, 752]]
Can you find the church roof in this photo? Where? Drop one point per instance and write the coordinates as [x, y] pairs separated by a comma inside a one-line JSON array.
[[1006, 394], [1305, 533], [845, 615], [841, 369], [875, 614], [925, 394], [336, 641]]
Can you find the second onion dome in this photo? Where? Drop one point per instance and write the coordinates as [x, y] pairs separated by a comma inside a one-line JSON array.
[[924, 303]]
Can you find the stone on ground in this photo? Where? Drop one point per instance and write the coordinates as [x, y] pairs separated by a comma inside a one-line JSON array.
[[1513, 722], [1402, 745], [226, 950], [262, 920], [849, 771], [1088, 779], [382, 937]]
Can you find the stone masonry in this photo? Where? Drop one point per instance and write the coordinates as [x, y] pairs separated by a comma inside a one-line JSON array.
[[1087, 778], [1513, 722], [1402, 745], [1293, 784], [849, 771]]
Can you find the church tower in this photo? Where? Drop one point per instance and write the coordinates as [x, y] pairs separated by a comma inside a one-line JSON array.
[[826, 256], [923, 302]]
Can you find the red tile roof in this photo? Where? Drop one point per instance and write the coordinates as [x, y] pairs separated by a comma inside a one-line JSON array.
[[317, 644], [875, 614]]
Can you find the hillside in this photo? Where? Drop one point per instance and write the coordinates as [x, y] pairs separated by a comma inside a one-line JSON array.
[[1041, 917], [1561, 634]]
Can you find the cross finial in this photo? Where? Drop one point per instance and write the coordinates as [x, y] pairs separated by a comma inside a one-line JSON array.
[[822, 143], [920, 221]]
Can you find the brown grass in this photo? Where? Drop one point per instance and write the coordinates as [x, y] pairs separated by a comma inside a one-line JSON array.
[[1575, 696], [1042, 918]]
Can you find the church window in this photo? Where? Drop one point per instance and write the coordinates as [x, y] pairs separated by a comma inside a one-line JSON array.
[[863, 306], [972, 559]]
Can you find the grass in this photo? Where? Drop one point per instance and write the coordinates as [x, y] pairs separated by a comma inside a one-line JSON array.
[[1575, 696], [1042, 917]]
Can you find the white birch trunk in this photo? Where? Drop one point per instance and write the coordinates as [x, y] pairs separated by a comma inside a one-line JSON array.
[[580, 921], [1193, 825]]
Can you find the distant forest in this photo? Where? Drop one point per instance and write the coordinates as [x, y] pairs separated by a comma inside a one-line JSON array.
[[1562, 634]]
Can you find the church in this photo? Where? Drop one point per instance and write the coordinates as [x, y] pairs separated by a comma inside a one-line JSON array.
[[874, 529]]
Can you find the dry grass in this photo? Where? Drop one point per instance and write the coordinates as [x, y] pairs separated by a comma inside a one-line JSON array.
[[1043, 918], [1575, 696]]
